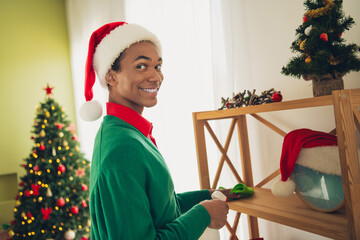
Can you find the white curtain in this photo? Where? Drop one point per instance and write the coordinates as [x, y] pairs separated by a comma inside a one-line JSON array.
[[211, 48]]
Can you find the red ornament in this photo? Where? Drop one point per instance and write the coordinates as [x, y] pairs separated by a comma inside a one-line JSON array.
[[48, 90], [84, 238], [27, 193], [324, 37], [46, 213], [84, 204], [35, 189], [12, 222], [17, 197], [305, 18], [21, 184], [29, 215], [42, 147], [32, 137], [340, 34], [84, 187], [59, 126], [61, 168], [24, 165], [277, 97], [74, 210], [60, 202], [36, 168], [227, 105], [75, 138]]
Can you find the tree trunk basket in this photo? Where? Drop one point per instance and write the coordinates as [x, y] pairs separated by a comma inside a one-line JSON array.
[[325, 85]]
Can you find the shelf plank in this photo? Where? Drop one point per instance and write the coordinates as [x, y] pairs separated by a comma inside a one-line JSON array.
[[286, 105], [292, 212]]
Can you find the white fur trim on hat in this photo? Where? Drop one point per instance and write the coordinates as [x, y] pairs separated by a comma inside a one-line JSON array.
[[322, 159], [115, 43]]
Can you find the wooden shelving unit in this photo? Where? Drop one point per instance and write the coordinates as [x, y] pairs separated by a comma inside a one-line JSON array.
[[342, 224]]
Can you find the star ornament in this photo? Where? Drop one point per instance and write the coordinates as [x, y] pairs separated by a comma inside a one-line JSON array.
[[48, 90], [80, 172]]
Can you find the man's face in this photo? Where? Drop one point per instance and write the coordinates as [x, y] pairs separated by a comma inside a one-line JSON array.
[[139, 79]]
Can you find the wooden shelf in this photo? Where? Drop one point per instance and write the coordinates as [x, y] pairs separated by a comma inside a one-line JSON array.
[[344, 224], [292, 212]]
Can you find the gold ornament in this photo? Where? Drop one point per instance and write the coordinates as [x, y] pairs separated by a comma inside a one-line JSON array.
[[77, 149], [11, 233], [65, 143], [48, 193], [47, 114], [302, 45], [42, 133], [17, 203], [334, 61], [308, 59], [61, 134]]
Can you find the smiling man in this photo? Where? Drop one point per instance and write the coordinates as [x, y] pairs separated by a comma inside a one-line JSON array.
[[131, 191]]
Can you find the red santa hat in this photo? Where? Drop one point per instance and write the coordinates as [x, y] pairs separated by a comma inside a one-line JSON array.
[[105, 46], [312, 149]]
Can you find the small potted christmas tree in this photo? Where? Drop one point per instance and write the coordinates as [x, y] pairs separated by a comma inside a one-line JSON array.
[[52, 202], [324, 57]]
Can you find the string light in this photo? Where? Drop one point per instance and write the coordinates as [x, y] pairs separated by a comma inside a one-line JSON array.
[[70, 154], [39, 182], [59, 147], [45, 120], [15, 209], [49, 141], [67, 148], [48, 170], [30, 165], [31, 171], [43, 126], [58, 160], [52, 108], [38, 144], [50, 161]]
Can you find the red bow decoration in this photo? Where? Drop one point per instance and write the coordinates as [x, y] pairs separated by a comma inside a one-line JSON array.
[[46, 213], [35, 189]]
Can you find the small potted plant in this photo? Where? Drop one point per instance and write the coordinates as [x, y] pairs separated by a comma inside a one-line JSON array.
[[324, 57]]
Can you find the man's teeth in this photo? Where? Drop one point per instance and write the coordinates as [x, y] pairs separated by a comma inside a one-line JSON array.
[[149, 90]]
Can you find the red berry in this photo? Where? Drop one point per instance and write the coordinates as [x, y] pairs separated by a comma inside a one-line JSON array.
[[84, 204], [29, 215], [84, 187], [42, 147], [324, 37], [61, 168], [277, 97], [27, 193], [60, 202], [75, 210], [305, 18]]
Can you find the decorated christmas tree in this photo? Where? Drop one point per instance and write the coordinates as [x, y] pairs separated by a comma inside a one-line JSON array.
[[323, 55], [52, 202]]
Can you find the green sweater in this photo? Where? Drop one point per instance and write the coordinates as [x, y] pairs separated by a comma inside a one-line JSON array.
[[131, 191]]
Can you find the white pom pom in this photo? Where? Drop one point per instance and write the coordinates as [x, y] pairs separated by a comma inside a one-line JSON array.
[[210, 234], [283, 189], [91, 110]]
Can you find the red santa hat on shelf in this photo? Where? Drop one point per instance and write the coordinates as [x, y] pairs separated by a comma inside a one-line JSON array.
[[105, 46], [312, 149]]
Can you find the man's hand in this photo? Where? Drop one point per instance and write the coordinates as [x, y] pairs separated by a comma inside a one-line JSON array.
[[227, 193], [218, 211]]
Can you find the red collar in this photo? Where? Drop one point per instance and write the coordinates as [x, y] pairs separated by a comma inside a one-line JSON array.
[[131, 117]]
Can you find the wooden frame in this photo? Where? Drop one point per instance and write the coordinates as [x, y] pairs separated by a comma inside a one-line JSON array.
[[342, 224]]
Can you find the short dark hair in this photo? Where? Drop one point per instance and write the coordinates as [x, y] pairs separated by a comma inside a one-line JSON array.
[[116, 64]]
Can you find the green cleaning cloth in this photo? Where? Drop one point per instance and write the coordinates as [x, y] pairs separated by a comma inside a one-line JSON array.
[[243, 190]]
